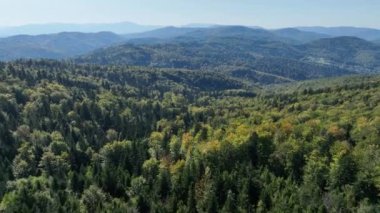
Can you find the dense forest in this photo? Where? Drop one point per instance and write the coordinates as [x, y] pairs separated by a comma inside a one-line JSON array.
[[92, 138]]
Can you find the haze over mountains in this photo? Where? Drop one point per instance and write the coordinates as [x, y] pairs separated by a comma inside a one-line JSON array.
[[130, 28], [38, 29], [249, 53], [364, 33]]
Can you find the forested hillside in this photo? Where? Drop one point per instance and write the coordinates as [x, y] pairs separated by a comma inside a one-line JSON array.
[[264, 56], [257, 55], [55, 46], [347, 52], [299, 36], [97, 138]]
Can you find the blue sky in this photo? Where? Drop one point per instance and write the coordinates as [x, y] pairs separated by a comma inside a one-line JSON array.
[[266, 13]]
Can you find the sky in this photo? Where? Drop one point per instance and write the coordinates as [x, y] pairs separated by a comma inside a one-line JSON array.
[[264, 13]]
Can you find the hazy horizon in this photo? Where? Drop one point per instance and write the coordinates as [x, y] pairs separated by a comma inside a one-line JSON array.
[[267, 14], [178, 25]]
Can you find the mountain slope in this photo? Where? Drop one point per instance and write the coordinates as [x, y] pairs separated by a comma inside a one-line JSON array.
[[192, 52], [348, 52], [364, 33], [54, 45], [253, 54], [199, 48], [250, 54], [70, 44], [162, 33], [298, 35], [212, 32]]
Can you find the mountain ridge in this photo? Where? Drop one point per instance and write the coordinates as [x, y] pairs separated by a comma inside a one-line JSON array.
[[256, 54], [369, 34], [54, 46], [50, 28]]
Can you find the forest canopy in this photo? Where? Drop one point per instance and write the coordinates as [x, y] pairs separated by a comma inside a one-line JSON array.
[[91, 138]]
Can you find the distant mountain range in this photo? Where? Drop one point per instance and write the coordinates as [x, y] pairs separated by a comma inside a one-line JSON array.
[[250, 53], [132, 28], [163, 33], [363, 33], [242, 42], [38, 29], [287, 35], [71, 44], [254, 54]]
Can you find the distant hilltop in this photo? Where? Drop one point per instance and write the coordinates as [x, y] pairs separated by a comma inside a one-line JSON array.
[[130, 28], [38, 29]]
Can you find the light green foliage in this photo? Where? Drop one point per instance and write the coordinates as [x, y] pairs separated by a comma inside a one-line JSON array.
[[129, 139]]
